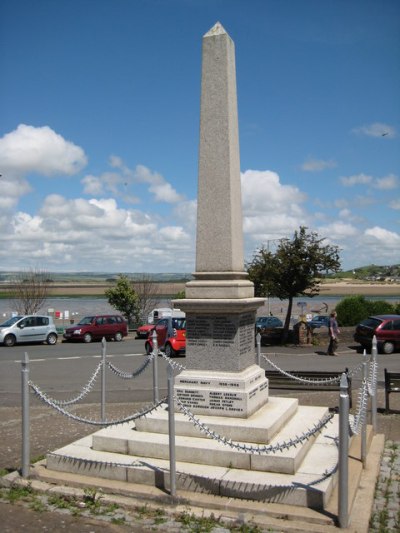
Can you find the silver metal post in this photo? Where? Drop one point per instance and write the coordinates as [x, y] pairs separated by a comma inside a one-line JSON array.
[[171, 430], [344, 403], [103, 378], [364, 418], [155, 366], [26, 460], [374, 399], [258, 340]]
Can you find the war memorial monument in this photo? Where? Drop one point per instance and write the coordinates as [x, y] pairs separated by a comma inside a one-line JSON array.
[[221, 385]]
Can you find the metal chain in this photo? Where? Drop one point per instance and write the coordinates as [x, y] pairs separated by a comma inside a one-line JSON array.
[[250, 448], [135, 373], [372, 378], [325, 381], [358, 419], [355, 370], [173, 364], [43, 397], [85, 390]]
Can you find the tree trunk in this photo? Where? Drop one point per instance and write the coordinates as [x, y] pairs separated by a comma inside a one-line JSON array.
[[287, 320]]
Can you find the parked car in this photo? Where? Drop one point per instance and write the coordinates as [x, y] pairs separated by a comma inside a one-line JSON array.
[[171, 336], [142, 332], [319, 320], [270, 329], [95, 327], [268, 322], [386, 328], [28, 328], [154, 317]]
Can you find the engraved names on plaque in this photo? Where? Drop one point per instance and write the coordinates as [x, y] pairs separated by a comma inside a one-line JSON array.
[[221, 332]]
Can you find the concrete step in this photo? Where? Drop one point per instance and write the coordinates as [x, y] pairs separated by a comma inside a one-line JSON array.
[[307, 487], [260, 427], [127, 439]]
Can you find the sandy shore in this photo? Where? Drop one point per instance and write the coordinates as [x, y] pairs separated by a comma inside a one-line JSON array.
[[340, 288]]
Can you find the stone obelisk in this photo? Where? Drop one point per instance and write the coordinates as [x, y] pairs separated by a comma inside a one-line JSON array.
[[221, 377]]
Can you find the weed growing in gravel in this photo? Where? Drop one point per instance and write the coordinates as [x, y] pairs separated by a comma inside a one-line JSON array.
[[16, 493]]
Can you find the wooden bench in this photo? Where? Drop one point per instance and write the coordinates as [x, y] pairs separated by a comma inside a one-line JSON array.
[[277, 380], [392, 384]]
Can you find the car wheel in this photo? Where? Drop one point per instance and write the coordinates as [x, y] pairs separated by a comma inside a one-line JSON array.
[[169, 351], [388, 347], [9, 340], [51, 338], [148, 348], [118, 336], [87, 337]]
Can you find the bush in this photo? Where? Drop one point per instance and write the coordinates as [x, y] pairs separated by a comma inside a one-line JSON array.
[[353, 309], [380, 307]]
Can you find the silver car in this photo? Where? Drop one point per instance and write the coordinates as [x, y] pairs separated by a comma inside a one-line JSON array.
[[28, 328]]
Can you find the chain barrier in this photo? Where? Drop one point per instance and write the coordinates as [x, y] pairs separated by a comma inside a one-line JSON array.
[[357, 420], [250, 448], [85, 389], [324, 381], [372, 378], [130, 375], [171, 362], [48, 401]]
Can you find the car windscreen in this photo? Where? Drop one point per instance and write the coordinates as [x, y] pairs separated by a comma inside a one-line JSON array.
[[85, 321], [179, 323], [371, 322], [10, 321]]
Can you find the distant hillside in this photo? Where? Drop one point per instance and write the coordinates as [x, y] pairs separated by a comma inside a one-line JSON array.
[[371, 272], [104, 277]]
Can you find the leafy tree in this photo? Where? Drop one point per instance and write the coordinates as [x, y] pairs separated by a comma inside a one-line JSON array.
[[293, 270], [30, 290], [180, 295], [124, 298]]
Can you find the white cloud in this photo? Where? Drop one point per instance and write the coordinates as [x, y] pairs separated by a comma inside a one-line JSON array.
[[384, 237], [317, 165], [263, 193], [358, 179], [158, 186], [11, 190], [395, 204], [377, 129], [41, 150], [387, 183]]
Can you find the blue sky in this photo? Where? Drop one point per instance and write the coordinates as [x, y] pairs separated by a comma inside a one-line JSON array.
[[99, 128]]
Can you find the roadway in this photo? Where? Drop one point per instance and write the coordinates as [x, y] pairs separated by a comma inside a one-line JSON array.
[[62, 370]]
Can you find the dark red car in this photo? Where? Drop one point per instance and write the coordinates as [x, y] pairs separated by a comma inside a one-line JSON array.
[[386, 328], [171, 336], [96, 327]]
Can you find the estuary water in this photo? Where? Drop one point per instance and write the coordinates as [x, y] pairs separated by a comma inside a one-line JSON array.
[[66, 309]]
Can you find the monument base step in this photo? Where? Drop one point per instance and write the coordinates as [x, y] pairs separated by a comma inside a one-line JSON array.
[[260, 427], [308, 487], [201, 450]]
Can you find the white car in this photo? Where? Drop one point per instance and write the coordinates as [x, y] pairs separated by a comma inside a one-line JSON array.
[[28, 328]]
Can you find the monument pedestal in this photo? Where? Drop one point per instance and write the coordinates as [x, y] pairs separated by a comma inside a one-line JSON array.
[[231, 394]]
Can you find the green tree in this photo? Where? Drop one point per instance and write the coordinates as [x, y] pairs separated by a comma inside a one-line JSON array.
[[293, 270], [124, 298]]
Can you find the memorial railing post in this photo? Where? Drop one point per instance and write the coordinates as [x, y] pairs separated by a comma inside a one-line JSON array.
[[25, 416]]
